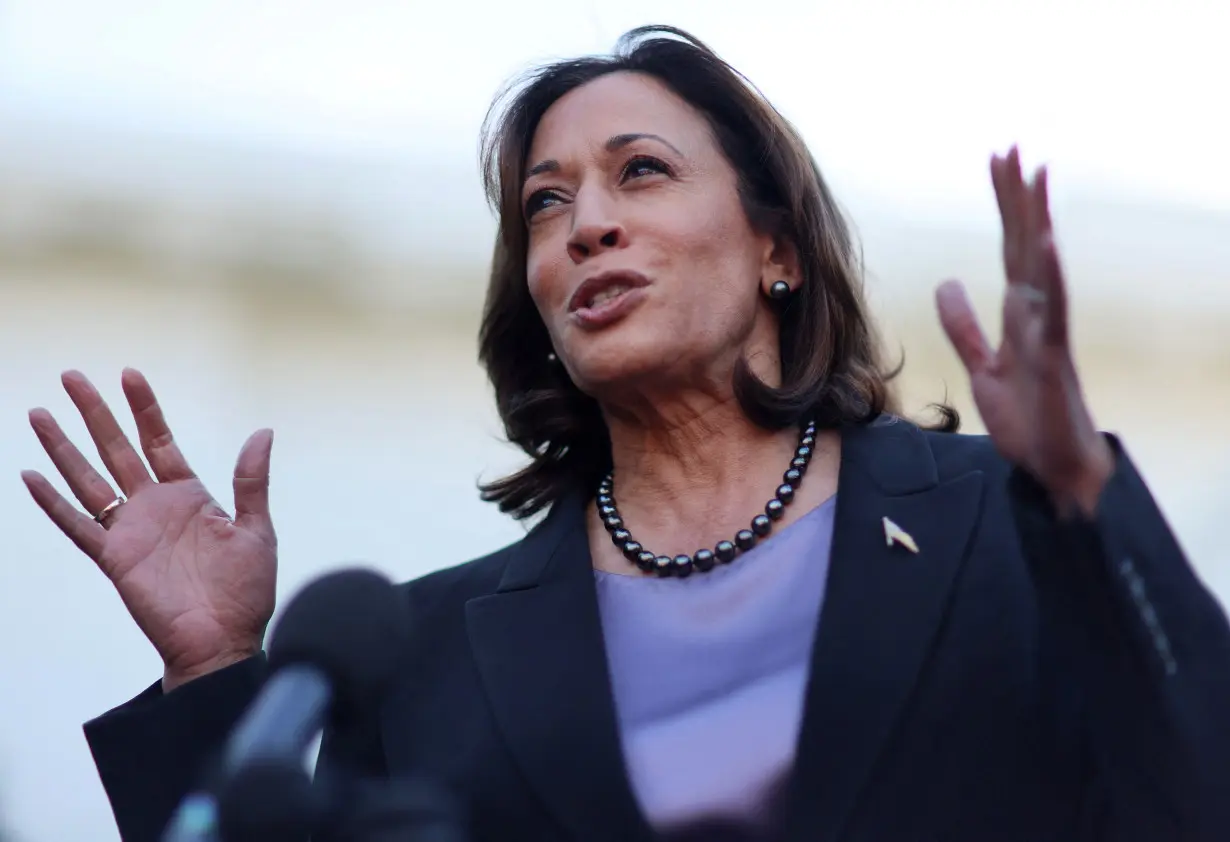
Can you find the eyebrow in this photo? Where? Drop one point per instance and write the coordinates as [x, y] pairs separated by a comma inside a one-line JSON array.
[[613, 143]]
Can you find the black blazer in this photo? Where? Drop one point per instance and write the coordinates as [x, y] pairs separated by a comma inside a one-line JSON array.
[[1018, 679]]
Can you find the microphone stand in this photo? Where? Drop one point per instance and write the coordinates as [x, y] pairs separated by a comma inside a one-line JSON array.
[[276, 800]]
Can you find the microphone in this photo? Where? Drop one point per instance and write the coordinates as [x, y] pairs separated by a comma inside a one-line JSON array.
[[332, 655]]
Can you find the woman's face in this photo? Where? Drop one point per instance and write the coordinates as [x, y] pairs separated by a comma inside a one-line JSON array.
[[641, 261]]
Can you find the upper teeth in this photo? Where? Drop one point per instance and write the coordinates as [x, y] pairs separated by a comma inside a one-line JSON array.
[[607, 294]]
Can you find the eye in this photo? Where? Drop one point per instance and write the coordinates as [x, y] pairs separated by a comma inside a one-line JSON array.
[[641, 166], [539, 200]]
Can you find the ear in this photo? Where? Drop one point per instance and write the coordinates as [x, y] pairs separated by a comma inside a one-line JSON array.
[[780, 262]]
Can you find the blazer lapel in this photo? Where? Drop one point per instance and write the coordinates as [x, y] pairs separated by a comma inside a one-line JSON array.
[[539, 649], [883, 608]]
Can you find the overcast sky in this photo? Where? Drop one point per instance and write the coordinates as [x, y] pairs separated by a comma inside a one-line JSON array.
[[902, 99]]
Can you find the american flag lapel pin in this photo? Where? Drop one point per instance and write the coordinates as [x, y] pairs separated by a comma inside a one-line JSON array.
[[894, 534]]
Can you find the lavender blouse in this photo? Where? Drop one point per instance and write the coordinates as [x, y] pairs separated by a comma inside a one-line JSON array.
[[708, 675]]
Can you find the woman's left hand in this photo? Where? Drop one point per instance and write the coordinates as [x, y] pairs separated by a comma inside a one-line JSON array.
[[1027, 391]]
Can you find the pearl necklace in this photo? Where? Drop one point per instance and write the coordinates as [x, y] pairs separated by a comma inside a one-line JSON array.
[[724, 551]]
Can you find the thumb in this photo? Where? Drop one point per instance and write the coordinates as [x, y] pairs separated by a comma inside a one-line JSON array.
[[252, 482], [961, 325]]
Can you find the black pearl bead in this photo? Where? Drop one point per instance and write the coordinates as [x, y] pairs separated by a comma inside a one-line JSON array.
[[647, 561], [761, 525], [724, 551], [683, 566]]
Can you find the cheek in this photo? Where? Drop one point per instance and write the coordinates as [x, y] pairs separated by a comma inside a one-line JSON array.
[[544, 274], [724, 254]]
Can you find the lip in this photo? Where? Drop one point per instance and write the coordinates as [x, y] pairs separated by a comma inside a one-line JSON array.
[[595, 284], [612, 310]]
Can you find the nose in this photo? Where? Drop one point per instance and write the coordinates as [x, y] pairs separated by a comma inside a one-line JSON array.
[[594, 228]]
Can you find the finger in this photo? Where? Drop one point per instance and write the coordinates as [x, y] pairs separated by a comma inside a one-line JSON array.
[[81, 529], [87, 485], [999, 182], [252, 482], [1021, 313], [1048, 269], [1011, 195], [1055, 314], [961, 325], [1041, 203], [1016, 196], [123, 462], [1034, 225], [157, 443]]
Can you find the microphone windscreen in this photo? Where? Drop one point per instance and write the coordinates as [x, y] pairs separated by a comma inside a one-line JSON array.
[[352, 625]]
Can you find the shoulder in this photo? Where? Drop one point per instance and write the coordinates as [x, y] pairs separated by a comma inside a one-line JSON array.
[[958, 455], [904, 456], [458, 584], [961, 453], [443, 593]]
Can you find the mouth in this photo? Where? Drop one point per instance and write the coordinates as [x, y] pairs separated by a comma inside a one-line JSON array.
[[601, 291]]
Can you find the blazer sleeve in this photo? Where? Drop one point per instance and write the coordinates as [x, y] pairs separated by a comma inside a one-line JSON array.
[[152, 751], [1127, 620]]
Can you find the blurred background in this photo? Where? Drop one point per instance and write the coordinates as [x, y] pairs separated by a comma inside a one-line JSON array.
[[273, 209]]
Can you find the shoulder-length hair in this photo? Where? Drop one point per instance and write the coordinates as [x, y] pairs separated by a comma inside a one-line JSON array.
[[831, 357]]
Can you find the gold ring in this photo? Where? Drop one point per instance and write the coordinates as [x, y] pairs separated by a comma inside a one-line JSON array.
[[109, 508]]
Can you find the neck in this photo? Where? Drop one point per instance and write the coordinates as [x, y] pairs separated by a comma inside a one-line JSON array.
[[700, 455], [686, 482]]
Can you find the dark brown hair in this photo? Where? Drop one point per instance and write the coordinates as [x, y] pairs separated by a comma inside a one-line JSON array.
[[831, 358]]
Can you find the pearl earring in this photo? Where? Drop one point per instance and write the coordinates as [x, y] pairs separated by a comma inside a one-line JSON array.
[[779, 290], [551, 358]]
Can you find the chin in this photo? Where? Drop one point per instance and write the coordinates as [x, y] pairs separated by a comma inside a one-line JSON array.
[[618, 359]]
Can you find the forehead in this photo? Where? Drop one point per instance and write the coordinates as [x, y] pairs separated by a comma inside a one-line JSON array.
[[584, 119]]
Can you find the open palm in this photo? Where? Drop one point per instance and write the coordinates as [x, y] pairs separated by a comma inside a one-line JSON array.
[[1027, 391], [198, 583]]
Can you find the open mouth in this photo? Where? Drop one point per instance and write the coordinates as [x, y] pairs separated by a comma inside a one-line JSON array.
[[605, 299], [598, 291], [609, 294]]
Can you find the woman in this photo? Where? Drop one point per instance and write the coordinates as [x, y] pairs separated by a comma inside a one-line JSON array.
[[920, 636]]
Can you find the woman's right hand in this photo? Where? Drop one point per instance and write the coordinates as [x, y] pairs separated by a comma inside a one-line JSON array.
[[199, 583]]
